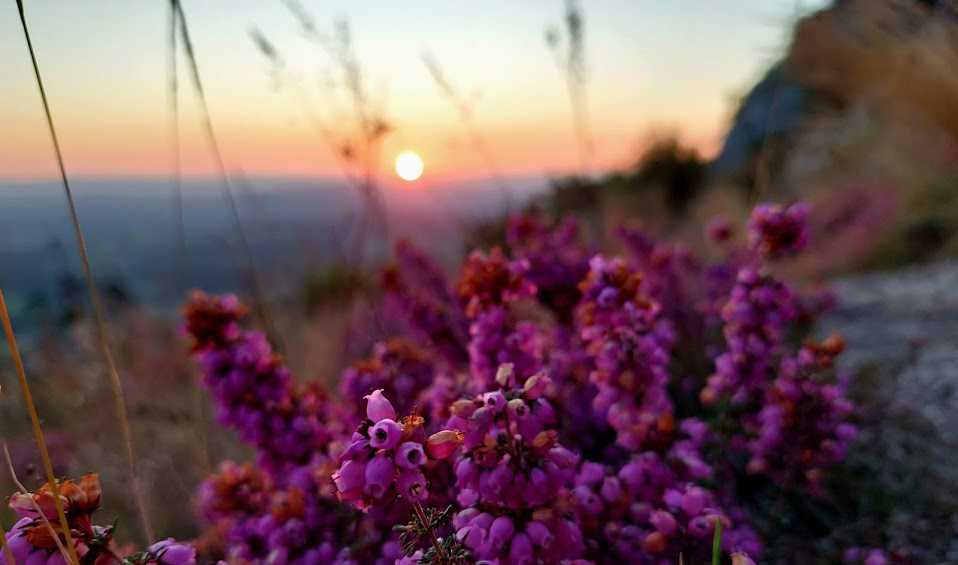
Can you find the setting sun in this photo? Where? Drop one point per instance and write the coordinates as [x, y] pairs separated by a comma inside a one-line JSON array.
[[409, 166]]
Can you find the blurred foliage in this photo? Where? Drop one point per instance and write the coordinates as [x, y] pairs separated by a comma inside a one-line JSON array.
[[338, 283], [895, 472], [659, 189], [927, 229]]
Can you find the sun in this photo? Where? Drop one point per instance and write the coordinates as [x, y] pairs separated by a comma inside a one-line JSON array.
[[409, 166]]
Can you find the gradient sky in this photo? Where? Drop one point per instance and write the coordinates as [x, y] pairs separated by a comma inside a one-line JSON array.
[[654, 65]]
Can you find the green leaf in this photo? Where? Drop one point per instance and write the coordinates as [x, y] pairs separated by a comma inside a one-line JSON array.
[[717, 543]]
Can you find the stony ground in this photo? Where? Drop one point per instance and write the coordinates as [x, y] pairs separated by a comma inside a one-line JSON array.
[[905, 325], [907, 319]]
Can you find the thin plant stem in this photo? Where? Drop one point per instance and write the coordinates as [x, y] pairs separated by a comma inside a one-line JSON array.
[[717, 544], [37, 428], [432, 535], [180, 266], [7, 552], [370, 123], [294, 88], [116, 386], [466, 117], [177, 176], [255, 283], [573, 66]]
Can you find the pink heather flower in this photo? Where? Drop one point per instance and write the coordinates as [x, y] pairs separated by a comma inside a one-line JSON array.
[[171, 552], [410, 455], [385, 434], [520, 550], [379, 475], [412, 484], [777, 231], [663, 522], [501, 530], [442, 444], [496, 401], [378, 407], [539, 534], [606, 344], [611, 489], [535, 386], [694, 500], [350, 477]]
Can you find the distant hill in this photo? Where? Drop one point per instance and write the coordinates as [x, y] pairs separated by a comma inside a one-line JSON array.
[[293, 225]]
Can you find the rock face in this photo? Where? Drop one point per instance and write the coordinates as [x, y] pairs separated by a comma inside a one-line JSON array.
[[906, 320], [837, 63], [774, 107]]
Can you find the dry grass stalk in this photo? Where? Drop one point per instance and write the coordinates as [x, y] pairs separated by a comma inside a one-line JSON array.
[[259, 295], [109, 364], [466, 117], [339, 148], [573, 66], [177, 174], [37, 428], [7, 553], [36, 507], [371, 123]]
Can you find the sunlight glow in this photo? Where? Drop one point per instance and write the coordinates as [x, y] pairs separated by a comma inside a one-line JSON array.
[[409, 166]]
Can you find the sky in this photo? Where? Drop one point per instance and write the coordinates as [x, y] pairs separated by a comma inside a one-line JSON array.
[[654, 66]]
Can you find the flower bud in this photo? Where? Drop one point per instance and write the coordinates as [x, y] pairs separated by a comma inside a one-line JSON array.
[[654, 543], [501, 530], [694, 500], [496, 401], [520, 550], [535, 386], [504, 374], [664, 522], [412, 484], [441, 445], [378, 406], [539, 534]]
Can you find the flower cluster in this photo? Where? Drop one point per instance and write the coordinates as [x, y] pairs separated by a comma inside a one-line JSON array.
[[418, 290], [37, 537], [777, 231], [557, 259], [757, 315], [398, 367], [629, 344], [235, 490], [651, 508], [387, 457], [513, 477], [803, 425], [286, 509], [490, 284], [255, 393], [559, 408]]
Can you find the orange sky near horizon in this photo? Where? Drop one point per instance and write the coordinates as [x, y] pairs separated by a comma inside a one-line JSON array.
[[651, 69]]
